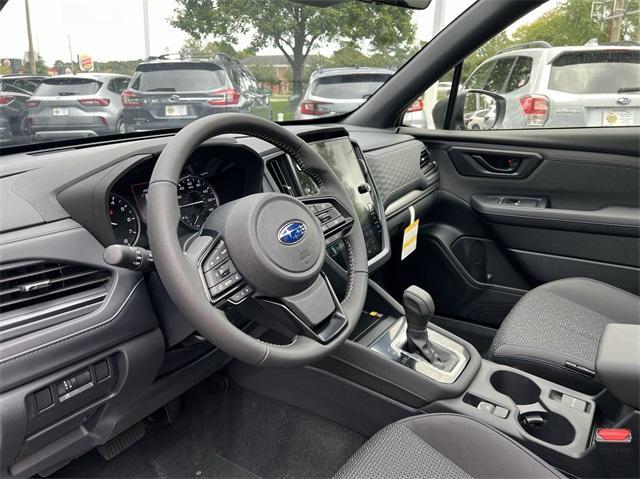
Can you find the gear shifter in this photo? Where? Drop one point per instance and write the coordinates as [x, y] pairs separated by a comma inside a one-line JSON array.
[[419, 308]]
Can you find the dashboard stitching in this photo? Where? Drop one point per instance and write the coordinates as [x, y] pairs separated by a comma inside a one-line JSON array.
[[351, 273], [293, 340], [77, 334]]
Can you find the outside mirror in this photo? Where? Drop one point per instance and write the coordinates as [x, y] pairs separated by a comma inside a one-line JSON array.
[[474, 110], [480, 111]]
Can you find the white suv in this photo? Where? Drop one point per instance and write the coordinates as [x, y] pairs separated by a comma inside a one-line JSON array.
[[571, 86]]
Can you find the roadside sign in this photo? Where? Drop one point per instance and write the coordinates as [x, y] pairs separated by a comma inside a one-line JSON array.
[[85, 62]]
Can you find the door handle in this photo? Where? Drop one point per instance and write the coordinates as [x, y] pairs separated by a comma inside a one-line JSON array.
[[499, 164]]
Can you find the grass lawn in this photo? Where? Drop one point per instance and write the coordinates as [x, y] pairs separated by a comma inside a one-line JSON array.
[[280, 104]]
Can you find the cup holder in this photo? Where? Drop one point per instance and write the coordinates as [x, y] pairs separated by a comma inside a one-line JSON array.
[[548, 427], [520, 389]]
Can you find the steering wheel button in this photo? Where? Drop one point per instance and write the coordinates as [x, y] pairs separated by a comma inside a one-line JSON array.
[[322, 206]]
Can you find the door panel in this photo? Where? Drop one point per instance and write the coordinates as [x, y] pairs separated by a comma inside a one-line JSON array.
[[496, 234]]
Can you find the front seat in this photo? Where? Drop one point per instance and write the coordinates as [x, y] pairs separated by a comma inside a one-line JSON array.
[[555, 329], [443, 445]]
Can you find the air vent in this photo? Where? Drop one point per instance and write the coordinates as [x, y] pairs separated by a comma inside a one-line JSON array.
[[280, 170], [427, 163], [35, 282]]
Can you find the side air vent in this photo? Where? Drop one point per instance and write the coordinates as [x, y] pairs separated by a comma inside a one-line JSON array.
[[426, 161], [34, 283], [429, 167], [281, 172]]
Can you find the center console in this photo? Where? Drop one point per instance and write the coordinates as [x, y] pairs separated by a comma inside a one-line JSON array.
[[582, 435]]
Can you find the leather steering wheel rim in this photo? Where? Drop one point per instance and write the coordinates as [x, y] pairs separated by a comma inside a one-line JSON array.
[[176, 268]]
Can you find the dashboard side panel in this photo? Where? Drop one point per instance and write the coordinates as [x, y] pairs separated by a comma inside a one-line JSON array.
[[126, 312]]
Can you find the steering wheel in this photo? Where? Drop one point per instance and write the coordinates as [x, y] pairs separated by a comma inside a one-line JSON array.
[[264, 247]]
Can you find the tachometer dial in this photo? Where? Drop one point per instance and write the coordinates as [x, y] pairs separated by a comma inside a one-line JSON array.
[[124, 220], [197, 199]]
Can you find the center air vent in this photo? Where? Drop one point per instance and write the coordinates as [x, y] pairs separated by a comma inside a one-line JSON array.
[[282, 174], [32, 283], [289, 178]]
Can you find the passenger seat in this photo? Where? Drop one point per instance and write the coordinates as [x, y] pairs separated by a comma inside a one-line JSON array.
[[555, 329]]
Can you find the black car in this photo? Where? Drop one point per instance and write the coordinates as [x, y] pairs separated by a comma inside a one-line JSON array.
[[170, 93], [15, 90]]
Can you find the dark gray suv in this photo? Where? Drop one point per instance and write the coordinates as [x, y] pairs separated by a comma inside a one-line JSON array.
[[170, 93]]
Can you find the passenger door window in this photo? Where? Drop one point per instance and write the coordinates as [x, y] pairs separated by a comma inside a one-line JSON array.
[[548, 73]]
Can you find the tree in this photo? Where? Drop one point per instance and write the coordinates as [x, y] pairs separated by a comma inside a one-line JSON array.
[[292, 28], [265, 74], [41, 67], [569, 23], [194, 45], [123, 67]]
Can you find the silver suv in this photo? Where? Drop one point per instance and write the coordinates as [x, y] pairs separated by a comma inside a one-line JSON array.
[[339, 90], [80, 105], [571, 86]]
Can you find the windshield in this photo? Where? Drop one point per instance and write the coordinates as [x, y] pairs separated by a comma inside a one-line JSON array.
[[158, 65], [596, 72]]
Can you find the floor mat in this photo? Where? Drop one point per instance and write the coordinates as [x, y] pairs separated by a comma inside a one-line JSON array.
[[232, 434]]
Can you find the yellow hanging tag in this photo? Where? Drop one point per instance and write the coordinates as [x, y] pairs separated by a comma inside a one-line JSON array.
[[410, 237]]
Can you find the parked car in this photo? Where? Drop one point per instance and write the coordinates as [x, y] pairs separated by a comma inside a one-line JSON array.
[[170, 93], [15, 90], [478, 119], [77, 106], [339, 90], [570, 86]]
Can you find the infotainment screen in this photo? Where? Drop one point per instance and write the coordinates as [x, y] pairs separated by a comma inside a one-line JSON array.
[[341, 156]]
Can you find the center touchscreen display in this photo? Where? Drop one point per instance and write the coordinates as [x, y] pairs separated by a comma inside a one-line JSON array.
[[341, 157]]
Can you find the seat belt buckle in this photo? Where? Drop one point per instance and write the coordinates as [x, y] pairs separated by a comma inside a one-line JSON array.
[[613, 436]]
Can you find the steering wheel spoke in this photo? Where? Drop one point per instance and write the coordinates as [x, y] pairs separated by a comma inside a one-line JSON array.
[[223, 283], [335, 219], [315, 312]]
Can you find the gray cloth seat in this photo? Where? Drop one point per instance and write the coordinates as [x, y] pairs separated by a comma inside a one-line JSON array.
[[443, 445], [555, 329]]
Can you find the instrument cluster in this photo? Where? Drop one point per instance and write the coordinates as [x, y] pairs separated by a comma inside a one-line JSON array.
[[206, 182]]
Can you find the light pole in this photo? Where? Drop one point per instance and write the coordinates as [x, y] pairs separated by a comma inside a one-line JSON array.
[[145, 13], [614, 22], [32, 53]]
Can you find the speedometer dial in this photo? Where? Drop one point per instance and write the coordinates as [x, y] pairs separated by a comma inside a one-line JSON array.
[[197, 199], [124, 220]]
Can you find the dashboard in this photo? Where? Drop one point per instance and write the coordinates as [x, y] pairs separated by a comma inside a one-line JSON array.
[[214, 175], [63, 207]]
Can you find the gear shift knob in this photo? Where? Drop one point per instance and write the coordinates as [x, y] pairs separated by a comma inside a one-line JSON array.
[[418, 310]]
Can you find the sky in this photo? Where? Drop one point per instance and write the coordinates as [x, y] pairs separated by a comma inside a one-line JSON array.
[[113, 29]]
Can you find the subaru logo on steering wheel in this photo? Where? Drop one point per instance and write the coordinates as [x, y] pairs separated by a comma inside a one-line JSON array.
[[292, 233]]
